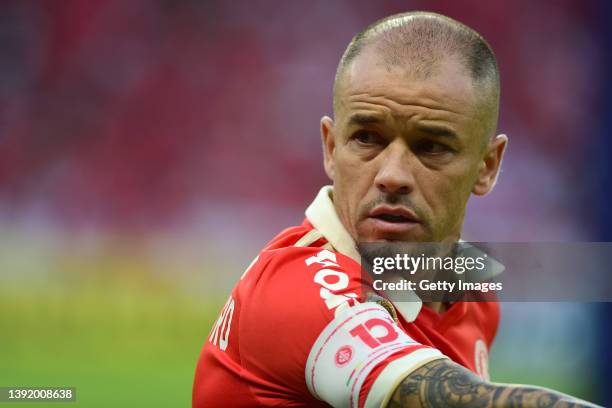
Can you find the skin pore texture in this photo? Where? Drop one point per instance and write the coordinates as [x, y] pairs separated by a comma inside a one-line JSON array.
[[411, 140]]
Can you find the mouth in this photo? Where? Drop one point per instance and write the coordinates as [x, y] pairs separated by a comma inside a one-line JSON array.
[[394, 215], [392, 218], [392, 222]]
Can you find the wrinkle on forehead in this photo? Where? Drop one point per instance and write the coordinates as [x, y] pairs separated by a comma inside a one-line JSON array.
[[397, 102], [419, 106], [406, 115], [449, 95]]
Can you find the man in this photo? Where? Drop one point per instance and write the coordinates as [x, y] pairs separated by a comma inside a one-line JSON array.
[[416, 100]]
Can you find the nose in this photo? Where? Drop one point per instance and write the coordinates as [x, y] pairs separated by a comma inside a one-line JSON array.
[[395, 174]]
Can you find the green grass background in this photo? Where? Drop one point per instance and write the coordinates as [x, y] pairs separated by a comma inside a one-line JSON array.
[[124, 330], [118, 348]]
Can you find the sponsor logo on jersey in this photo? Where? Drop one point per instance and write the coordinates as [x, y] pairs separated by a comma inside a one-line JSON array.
[[331, 280]]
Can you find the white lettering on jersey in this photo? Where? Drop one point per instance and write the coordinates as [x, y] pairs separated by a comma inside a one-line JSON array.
[[351, 346], [322, 278], [325, 258], [331, 280], [221, 329]]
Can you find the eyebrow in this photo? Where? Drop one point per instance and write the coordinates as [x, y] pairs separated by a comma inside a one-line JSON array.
[[361, 119], [434, 130]]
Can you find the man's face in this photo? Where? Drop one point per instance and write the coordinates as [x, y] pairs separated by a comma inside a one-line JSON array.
[[405, 153]]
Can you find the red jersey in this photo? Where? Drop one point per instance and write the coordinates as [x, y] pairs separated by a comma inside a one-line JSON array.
[[299, 331]]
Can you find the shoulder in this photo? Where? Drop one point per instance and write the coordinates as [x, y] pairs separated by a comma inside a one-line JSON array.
[[299, 265], [300, 282], [288, 297]]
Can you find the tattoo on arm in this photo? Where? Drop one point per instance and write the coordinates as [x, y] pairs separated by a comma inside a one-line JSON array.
[[442, 383]]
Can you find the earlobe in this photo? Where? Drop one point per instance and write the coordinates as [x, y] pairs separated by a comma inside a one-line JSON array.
[[327, 138], [490, 165]]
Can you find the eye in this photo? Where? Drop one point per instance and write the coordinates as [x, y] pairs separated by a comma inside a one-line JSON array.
[[432, 147], [367, 138]]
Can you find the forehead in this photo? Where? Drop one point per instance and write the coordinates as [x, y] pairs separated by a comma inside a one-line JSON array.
[[444, 90]]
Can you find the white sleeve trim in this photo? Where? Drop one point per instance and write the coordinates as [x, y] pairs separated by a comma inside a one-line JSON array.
[[390, 377]]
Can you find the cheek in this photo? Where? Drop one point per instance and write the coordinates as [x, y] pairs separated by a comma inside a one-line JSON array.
[[447, 197], [454, 184], [352, 182], [351, 171]]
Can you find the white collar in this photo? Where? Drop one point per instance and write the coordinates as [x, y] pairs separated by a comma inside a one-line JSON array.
[[322, 215]]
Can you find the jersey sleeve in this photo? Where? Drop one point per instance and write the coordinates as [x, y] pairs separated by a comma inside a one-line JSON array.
[[308, 332]]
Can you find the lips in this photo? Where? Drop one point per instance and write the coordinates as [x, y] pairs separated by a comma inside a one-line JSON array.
[[394, 214], [387, 222]]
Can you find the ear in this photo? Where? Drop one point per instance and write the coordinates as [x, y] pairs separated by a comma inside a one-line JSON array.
[[327, 137], [490, 165]]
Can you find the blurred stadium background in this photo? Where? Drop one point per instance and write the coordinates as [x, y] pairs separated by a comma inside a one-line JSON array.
[[149, 148]]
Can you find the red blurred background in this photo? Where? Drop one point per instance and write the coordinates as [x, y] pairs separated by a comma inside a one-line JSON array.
[[143, 114]]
